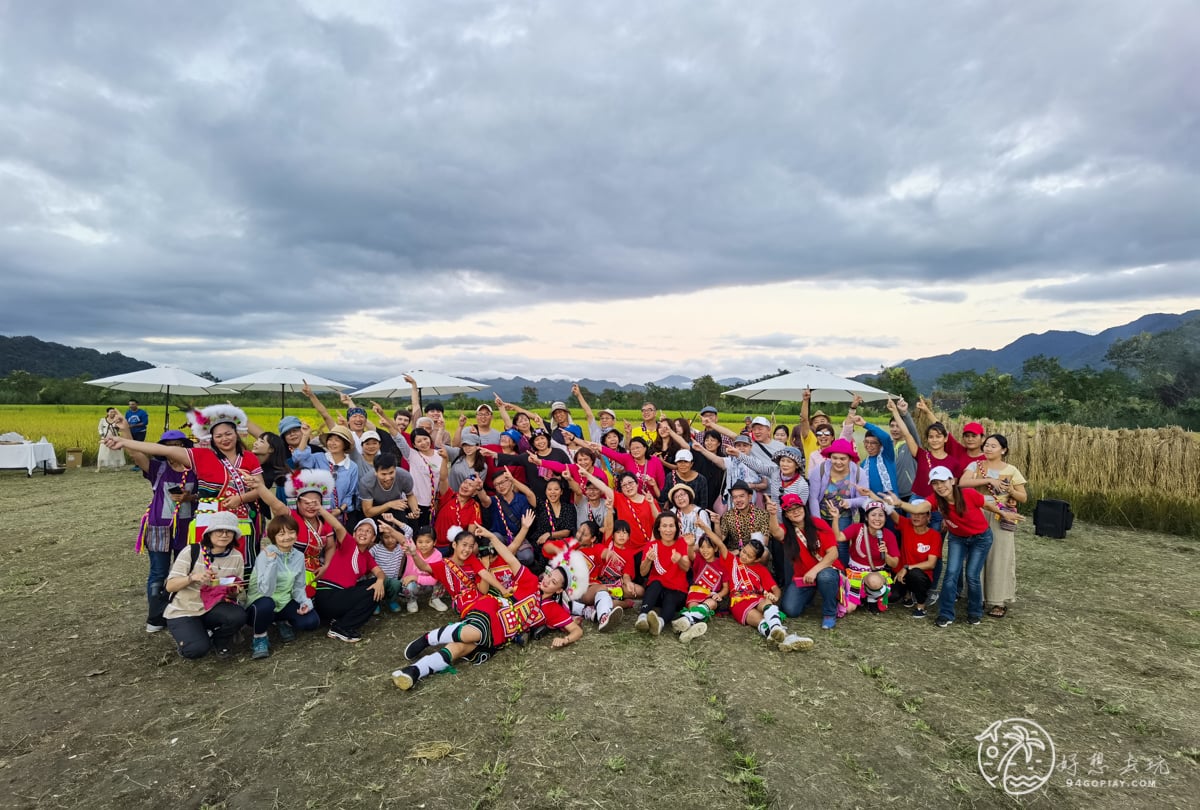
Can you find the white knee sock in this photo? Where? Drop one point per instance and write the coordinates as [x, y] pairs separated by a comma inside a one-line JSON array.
[[434, 662], [604, 603], [442, 635]]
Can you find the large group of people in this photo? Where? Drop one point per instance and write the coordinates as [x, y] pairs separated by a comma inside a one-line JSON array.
[[508, 526]]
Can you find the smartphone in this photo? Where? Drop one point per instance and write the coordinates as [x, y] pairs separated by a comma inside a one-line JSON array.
[[227, 581], [175, 490]]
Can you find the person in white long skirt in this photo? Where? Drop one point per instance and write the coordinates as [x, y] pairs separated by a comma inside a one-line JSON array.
[[108, 458]]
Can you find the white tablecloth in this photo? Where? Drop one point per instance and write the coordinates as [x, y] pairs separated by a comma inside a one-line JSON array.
[[27, 457]]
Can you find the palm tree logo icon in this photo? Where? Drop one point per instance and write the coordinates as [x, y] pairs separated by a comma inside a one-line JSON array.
[[1016, 755]]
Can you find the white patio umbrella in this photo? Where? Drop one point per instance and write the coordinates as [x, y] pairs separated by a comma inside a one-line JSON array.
[[429, 382], [826, 387], [283, 380], [162, 380]]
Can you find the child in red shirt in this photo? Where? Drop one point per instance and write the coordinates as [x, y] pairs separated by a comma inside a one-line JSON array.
[[710, 584], [753, 594]]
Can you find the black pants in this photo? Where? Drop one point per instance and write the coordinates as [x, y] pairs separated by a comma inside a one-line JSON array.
[[916, 582], [191, 633], [345, 608], [666, 601]]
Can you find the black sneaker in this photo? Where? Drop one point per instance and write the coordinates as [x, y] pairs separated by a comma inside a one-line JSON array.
[[224, 653], [944, 622], [348, 636], [415, 647], [974, 620], [918, 613], [405, 678]]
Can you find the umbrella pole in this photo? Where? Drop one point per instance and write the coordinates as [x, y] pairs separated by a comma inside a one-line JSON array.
[[281, 388], [167, 412]]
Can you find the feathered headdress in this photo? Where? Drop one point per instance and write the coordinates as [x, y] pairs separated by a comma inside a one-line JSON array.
[[302, 481], [574, 564], [203, 420]]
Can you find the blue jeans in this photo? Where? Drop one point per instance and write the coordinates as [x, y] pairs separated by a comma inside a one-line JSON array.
[[797, 599], [156, 594], [261, 614], [844, 521], [972, 552]]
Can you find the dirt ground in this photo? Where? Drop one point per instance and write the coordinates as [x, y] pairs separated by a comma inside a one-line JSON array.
[[1101, 650]]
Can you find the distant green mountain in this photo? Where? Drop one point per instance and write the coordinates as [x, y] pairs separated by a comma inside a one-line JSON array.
[[1073, 349], [46, 359]]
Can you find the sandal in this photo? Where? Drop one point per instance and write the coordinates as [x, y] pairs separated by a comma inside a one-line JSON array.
[[998, 612]]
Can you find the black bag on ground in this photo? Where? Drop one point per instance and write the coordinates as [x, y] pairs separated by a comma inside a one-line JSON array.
[[1052, 518]]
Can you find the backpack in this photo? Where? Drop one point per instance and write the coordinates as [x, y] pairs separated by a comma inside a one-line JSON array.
[[194, 548]]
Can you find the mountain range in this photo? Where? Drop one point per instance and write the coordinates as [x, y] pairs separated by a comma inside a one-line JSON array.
[[1073, 349]]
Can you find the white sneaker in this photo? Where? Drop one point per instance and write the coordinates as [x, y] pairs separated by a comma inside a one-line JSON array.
[[412, 606], [695, 631], [656, 622], [154, 628], [589, 613], [795, 642], [778, 634], [642, 624], [680, 625], [437, 604], [612, 618]]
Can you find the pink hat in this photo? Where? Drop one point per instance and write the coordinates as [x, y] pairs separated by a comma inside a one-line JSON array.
[[843, 446]]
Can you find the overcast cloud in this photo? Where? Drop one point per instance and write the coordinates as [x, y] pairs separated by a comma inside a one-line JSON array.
[[185, 178]]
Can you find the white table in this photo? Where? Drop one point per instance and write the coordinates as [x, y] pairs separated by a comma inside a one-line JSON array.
[[28, 456]]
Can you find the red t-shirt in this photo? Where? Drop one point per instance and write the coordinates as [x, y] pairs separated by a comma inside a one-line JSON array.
[[974, 521], [639, 516], [864, 547], [609, 572], [916, 548], [452, 512], [461, 581], [708, 575], [311, 546], [527, 610], [925, 463], [805, 561], [749, 580], [349, 564], [663, 569]]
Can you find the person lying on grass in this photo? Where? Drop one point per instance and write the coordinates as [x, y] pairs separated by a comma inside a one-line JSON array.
[[754, 597], [491, 623]]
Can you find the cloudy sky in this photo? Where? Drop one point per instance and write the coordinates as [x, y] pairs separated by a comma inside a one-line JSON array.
[[621, 190]]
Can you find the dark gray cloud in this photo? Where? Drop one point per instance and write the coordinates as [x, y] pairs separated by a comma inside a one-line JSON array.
[[288, 168], [1142, 284]]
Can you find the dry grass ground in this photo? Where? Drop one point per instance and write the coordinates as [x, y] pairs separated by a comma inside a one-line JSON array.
[[1101, 649]]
